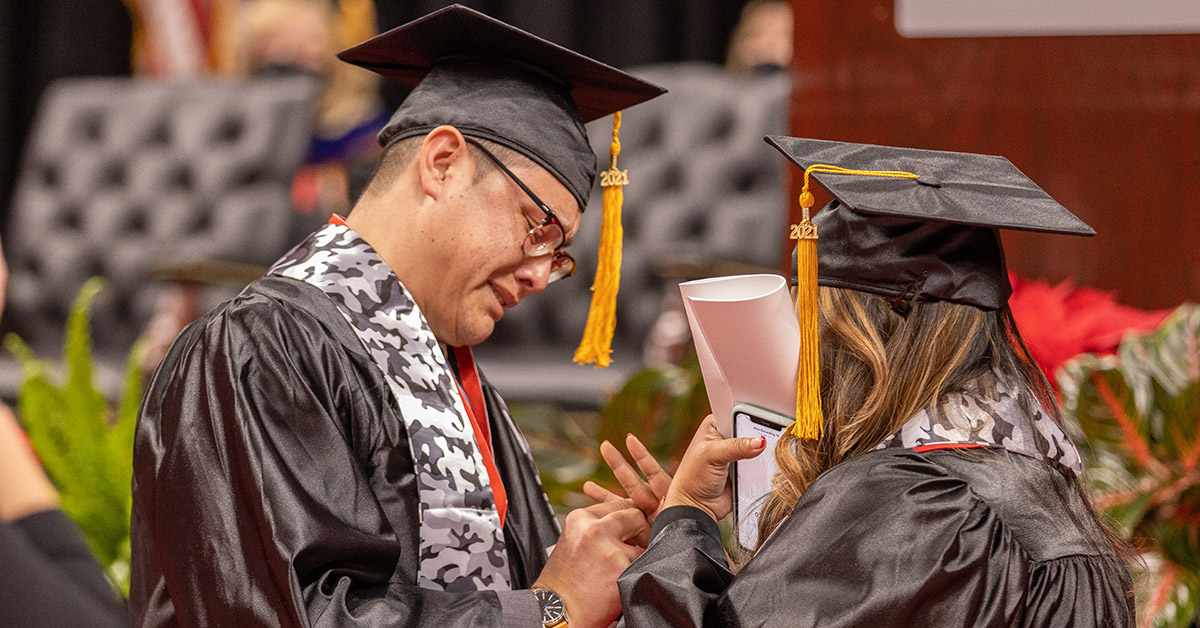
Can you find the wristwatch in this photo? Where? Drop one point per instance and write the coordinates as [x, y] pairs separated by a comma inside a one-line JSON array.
[[554, 613]]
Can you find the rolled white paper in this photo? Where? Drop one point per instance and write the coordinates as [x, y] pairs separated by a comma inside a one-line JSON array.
[[748, 342]]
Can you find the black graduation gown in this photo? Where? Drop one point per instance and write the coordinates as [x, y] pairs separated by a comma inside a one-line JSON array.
[[49, 578], [274, 485], [895, 538]]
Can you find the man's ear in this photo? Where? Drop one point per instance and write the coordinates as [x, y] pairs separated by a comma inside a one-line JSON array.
[[443, 156]]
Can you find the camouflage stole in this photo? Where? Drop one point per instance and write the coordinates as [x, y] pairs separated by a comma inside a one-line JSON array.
[[462, 544], [998, 420]]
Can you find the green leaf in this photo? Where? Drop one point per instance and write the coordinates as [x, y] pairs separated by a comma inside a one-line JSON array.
[[85, 447], [1168, 354], [119, 441], [1128, 516], [1175, 418], [1180, 604], [640, 402], [1140, 447], [1111, 429]]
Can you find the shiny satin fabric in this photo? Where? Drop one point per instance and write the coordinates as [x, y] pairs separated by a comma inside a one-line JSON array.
[[517, 107], [935, 235], [496, 82], [895, 538], [48, 576], [896, 257], [274, 486]]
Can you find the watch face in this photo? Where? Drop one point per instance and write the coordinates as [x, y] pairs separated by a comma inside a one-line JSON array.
[[552, 606]]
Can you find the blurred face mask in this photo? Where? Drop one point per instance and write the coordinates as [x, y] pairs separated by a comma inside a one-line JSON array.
[[286, 69]]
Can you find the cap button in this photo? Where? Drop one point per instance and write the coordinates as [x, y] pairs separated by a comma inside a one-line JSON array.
[[931, 181]]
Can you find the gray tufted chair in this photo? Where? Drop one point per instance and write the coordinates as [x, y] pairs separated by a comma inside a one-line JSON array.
[[122, 175], [705, 188]]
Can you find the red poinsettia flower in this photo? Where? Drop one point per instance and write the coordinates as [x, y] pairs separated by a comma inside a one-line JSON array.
[[1060, 322]]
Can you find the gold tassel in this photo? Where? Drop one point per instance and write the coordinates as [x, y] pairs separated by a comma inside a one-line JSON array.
[[809, 421], [356, 21], [596, 345]]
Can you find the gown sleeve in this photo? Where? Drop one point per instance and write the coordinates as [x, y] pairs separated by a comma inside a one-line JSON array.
[[872, 543], [48, 577], [260, 454]]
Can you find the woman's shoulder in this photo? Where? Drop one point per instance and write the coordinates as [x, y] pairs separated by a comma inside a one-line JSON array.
[[1032, 502], [991, 472], [884, 469], [938, 535], [903, 482]]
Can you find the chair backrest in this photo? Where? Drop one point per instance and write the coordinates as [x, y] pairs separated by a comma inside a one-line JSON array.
[[704, 186], [121, 175]]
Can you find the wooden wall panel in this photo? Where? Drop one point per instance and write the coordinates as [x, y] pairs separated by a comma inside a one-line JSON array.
[[1108, 125]]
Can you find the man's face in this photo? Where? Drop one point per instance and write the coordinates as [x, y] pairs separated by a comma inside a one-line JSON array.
[[476, 267]]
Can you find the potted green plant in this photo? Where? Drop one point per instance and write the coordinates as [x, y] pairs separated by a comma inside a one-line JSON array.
[[85, 445], [662, 405], [1138, 417]]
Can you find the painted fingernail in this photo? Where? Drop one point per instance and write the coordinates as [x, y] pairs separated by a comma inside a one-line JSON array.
[[760, 442]]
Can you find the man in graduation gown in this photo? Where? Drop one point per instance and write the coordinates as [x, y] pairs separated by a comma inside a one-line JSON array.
[[321, 451]]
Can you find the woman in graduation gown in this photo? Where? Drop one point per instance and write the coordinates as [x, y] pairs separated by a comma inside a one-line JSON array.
[[943, 491]]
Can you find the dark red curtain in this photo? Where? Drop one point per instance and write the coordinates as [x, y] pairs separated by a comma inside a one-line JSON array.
[[1108, 125]]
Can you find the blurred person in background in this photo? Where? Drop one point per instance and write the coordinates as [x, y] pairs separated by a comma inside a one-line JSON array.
[[297, 38], [761, 42], [290, 37]]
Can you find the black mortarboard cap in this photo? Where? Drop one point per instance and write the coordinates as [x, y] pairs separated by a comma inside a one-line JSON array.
[[500, 83], [933, 237]]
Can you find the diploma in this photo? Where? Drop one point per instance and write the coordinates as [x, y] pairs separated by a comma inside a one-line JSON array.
[[747, 340]]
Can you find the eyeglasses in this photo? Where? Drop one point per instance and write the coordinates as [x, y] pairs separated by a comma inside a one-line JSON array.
[[544, 238]]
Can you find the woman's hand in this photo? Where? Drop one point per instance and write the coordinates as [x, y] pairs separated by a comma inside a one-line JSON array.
[[647, 494], [702, 479], [24, 487]]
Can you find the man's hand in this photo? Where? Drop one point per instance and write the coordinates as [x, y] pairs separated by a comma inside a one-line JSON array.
[[593, 550]]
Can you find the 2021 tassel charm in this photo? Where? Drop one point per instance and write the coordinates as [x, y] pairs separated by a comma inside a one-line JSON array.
[[809, 420], [596, 345]]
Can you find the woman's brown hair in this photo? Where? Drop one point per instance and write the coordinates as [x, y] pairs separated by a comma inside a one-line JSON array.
[[880, 367]]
